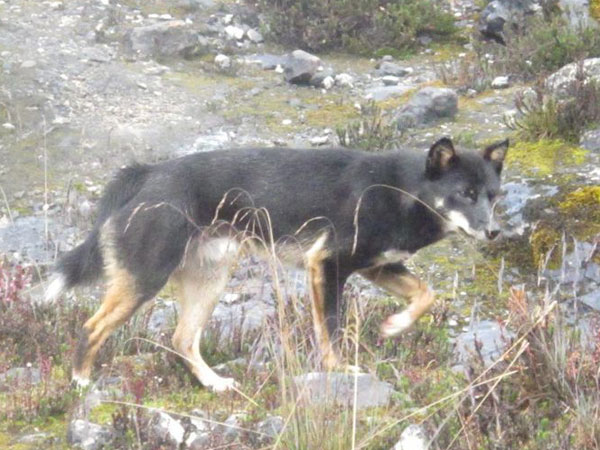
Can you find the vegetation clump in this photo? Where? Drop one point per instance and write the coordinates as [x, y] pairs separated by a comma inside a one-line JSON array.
[[358, 26], [546, 117], [373, 132]]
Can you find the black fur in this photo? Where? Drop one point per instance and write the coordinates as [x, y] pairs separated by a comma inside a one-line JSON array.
[[157, 209], [84, 263]]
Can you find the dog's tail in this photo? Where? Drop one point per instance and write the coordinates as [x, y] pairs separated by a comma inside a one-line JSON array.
[[84, 264]]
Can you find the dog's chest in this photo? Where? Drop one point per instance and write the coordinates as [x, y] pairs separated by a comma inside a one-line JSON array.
[[392, 256]]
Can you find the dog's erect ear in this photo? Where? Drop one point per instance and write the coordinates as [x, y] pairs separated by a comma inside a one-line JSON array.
[[441, 157], [496, 153]]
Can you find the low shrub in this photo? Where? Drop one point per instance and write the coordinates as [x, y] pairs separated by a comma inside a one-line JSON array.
[[545, 117], [358, 26], [373, 132]]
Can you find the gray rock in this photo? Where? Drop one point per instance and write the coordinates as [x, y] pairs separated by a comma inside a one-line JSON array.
[[318, 78], [428, 105], [267, 61], [412, 438], [20, 376], [34, 438], [231, 427], [163, 317], [379, 93], [591, 299], [87, 435], [560, 80], [390, 68], [498, 13], [489, 336], [169, 38], [577, 13], [255, 36], [246, 317], [197, 441], [300, 67], [338, 388], [590, 140], [165, 429], [390, 80], [344, 79], [223, 61], [271, 426], [234, 32]]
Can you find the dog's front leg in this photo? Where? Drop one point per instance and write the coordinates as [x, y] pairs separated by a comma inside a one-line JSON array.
[[396, 279]]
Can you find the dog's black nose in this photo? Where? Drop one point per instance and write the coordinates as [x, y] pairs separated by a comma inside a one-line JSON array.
[[492, 234]]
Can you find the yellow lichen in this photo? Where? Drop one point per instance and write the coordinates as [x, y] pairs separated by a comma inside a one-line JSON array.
[[546, 239], [595, 9], [543, 157]]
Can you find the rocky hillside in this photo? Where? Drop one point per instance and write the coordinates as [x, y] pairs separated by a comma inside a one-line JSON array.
[[508, 358]]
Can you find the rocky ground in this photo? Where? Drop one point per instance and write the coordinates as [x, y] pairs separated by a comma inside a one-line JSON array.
[[86, 87]]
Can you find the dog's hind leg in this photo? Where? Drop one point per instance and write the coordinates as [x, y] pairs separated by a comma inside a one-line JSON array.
[[119, 303], [396, 279], [326, 286], [199, 288]]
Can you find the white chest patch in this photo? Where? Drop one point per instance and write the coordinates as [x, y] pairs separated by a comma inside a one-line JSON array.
[[392, 256]]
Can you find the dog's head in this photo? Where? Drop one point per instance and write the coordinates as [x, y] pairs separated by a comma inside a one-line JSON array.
[[463, 187]]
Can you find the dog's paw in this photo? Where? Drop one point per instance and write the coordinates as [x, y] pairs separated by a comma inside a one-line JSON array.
[[220, 384], [396, 324], [80, 384]]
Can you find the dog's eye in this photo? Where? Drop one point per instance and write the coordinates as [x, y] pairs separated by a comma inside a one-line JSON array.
[[470, 193], [492, 195]]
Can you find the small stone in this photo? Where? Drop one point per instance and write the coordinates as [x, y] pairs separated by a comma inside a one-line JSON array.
[[8, 126], [500, 83], [223, 61], [254, 36], [319, 140], [286, 122], [343, 79], [390, 80], [166, 429], [412, 438], [28, 64], [88, 435], [328, 82], [234, 32]]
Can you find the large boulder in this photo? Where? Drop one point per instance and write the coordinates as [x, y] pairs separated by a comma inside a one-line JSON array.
[[169, 38], [301, 66], [501, 16], [558, 83], [426, 106]]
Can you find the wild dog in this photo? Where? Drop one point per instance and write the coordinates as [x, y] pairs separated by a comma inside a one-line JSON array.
[[335, 212]]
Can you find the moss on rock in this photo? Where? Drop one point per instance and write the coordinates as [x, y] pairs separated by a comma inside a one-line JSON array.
[[544, 157]]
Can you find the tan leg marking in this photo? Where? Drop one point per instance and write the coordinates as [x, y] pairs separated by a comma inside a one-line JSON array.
[[119, 303], [199, 284], [314, 265], [406, 285]]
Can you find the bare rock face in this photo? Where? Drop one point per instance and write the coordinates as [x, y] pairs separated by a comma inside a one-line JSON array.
[[170, 38], [300, 67], [560, 80], [338, 388]]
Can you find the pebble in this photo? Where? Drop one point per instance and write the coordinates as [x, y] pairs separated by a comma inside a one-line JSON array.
[[28, 64]]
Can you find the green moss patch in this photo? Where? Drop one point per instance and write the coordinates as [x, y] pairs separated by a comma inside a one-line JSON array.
[[544, 157]]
